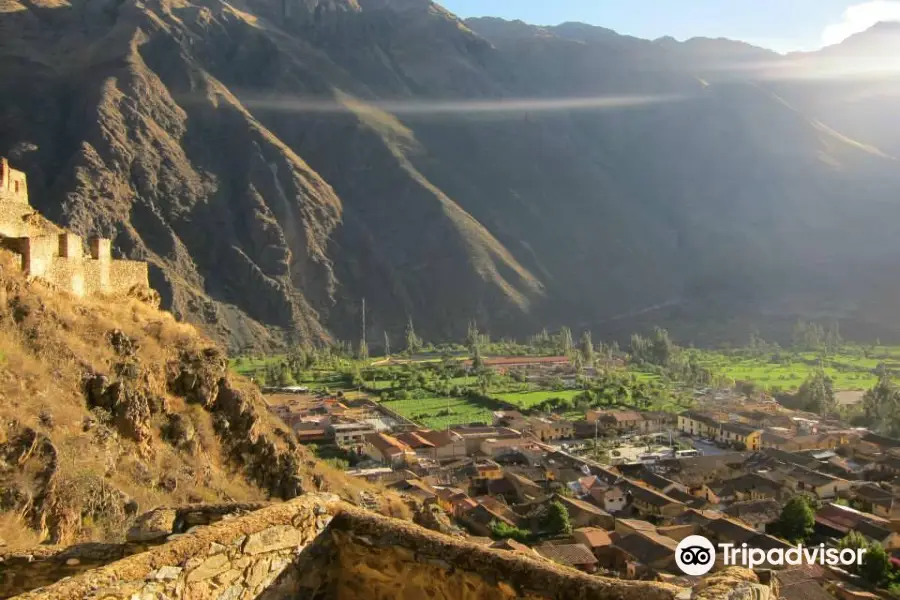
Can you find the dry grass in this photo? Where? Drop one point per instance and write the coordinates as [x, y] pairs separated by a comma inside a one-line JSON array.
[[15, 533], [48, 342]]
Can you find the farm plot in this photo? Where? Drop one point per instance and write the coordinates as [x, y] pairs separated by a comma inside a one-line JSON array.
[[440, 413]]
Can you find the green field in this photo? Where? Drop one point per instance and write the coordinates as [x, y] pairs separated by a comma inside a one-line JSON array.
[[848, 371], [526, 400], [432, 412]]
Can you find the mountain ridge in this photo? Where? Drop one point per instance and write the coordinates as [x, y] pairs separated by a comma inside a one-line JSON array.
[[277, 162]]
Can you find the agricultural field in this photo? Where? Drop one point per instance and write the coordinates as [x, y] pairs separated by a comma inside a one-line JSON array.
[[850, 370], [527, 400], [440, 413]]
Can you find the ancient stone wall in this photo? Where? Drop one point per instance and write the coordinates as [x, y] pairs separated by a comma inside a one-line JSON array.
[[13, 219], [126, 274], [318, 547], [255, 556], [13, 185], [58, 256], [66, 274]]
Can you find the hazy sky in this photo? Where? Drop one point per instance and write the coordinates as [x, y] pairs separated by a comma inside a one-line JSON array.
[[781, 25]]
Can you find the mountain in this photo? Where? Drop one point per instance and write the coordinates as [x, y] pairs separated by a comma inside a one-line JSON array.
[[277, 161]]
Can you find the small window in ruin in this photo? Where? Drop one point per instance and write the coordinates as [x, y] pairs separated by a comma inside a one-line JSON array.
[[17, 187]]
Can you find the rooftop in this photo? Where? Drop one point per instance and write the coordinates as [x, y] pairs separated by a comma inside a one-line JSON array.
[[593, 537], [568, 554]]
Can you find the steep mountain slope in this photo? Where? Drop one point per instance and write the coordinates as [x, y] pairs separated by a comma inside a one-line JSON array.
[[110, 409], [276, 161]]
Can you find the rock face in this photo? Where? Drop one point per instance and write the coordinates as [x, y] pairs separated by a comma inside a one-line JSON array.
[[443, 170]]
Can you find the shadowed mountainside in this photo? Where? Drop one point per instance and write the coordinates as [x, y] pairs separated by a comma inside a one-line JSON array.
[[277, 161]]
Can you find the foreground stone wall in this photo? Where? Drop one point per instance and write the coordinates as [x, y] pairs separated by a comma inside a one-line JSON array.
[[318, 547], [270, 553]]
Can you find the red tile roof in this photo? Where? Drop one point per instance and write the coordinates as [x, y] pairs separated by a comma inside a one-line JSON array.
[[387, 445]]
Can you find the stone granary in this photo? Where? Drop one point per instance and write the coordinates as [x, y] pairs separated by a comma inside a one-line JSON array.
[[55, 255], [317, 547]]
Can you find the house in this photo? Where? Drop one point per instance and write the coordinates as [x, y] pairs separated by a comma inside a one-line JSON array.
[[801, 479], [652, 504], [597, 540], [414, 487], [877, 500], [740, 436], [658, 482], [420, 445], [512, 545], [512, 419], [697, 424], [453, 500], [687, 499], [749, 486], [656, 421], [481, 471], [585, 514], [478, 519], [548, 430], [577, 556], [834, 520], [388, 450], [499, 508], [312, 435], [872, 447], [505, 364], [526, 490], [436, 445], [350, 434], [611, 498], [644, 551], [474, 435], [616, 420], [626, 527], [758, 514], [727, 530]]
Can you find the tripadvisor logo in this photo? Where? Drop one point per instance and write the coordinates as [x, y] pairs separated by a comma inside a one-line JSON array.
[[696, 555]]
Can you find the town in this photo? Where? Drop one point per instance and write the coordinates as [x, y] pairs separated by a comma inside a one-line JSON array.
[[613, 491]]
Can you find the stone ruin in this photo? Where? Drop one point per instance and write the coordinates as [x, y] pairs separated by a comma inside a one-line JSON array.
[[317, 547], [57, 256]]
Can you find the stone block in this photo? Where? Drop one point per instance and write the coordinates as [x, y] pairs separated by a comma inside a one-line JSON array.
[[167, 573], [209, 568], [273, 538], [152, 525]]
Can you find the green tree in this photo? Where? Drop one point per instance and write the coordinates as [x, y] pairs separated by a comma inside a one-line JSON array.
[[587, 349], [876, 565], [797, 520], [816, 394], [557, 518], [565, 341], [881, 406], [413, 342], [854, 540], [500, 529]]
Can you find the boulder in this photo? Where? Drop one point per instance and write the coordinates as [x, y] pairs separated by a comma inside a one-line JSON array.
[[154, 525]]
